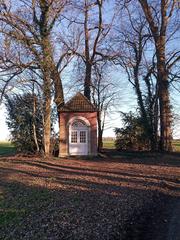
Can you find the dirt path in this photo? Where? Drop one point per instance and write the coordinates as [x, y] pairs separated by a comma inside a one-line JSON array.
[[118, 198]]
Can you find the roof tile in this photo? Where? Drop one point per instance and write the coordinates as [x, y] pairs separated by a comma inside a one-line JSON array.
[[78, 103]]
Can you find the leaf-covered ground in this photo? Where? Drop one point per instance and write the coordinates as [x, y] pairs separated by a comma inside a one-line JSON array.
[[133, 196]]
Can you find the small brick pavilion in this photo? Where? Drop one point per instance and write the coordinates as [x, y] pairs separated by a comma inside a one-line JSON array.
[[78, 127]]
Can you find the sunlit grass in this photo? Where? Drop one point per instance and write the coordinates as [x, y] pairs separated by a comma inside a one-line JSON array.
[[109, 144], [7, 148], [176, 145]]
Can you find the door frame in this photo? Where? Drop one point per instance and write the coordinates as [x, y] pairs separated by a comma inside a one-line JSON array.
[[82, 147], [87, 123]]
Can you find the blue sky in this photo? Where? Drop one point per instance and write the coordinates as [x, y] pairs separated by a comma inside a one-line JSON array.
[[126, 101]]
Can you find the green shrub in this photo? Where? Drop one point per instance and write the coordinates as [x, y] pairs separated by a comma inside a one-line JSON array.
[[23, 115], [133, 136]]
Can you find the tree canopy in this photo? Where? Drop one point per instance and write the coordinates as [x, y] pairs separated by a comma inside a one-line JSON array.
[[53, 44]]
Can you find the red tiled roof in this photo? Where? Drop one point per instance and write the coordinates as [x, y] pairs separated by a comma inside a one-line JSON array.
[[78, 103]]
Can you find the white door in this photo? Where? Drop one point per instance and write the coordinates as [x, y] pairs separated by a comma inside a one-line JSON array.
[[78, 139], [78, 142]]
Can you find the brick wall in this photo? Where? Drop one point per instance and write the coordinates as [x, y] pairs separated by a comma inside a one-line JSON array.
[[64, 130]]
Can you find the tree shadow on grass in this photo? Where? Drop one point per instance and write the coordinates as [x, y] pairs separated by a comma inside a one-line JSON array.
[[78, 177], [140, 157], [132, 178], [56, 201], [52, 214]]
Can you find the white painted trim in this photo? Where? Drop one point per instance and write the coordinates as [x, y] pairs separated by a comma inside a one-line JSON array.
[[79, 118], [70, 122]]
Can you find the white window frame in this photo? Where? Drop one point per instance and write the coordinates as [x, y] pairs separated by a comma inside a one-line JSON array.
[[87, 129]]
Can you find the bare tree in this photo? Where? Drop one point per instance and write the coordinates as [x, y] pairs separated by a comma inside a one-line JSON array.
[[133, 39], [158, 15], [94, 31], [30, 26], [162, 25], [103, 96]]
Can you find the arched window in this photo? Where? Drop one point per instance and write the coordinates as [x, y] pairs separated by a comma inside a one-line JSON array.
[[78, 124], [78, 136]]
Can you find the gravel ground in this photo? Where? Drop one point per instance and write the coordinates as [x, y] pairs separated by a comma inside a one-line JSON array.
[[113, 197]]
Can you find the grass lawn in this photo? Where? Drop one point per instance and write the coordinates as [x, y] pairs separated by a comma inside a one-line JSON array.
[[176, 145], [109, 144], [6, 148], [114, 197]]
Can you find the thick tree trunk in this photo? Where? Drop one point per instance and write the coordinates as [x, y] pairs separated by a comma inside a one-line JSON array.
[[59, 94], [159, 34], [165, 117], [88, 65], [91, 41], [100, 132], [46, 47], [52, 73], [164, 101], [87, 81], [100, 139]]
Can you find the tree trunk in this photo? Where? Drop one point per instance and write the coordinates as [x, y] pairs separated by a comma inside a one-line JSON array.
[[100, 139], [159, 34], [88, 65], [148, 127], [47, 117], [34, 122], [164, 101], [87, 82], [59, 94], [100, 132], [47, 93]]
